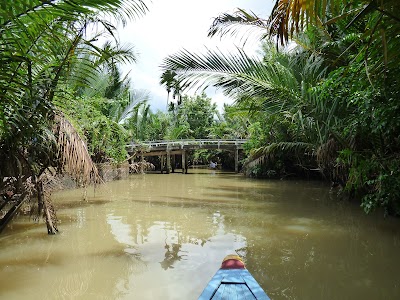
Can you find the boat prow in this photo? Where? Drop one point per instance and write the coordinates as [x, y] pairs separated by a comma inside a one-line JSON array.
[[233, 281]]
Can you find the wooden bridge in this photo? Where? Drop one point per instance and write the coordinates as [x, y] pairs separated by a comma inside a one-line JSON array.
[[168, 149]]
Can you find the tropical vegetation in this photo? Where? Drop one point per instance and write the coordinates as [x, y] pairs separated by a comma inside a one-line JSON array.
[[49, 54], [323, 97], [320, 99]]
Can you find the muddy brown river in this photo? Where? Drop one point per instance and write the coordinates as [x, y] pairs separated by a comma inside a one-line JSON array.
[[159, 236]]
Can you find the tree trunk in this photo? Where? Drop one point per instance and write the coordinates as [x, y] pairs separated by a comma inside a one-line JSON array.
[[13, 210], [51, 218]]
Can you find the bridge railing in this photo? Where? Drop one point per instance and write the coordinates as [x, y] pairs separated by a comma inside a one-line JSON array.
[[183, 142]]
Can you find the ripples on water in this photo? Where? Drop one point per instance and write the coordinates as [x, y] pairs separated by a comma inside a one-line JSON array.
[[163, 237]]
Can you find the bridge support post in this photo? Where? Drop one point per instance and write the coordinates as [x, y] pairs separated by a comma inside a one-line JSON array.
[[173, 163], [162, 163], [142, 164], [236, 160], [168, 165], [184, 163]]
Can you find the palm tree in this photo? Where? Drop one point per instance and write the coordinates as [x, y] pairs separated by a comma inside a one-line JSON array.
[[168, 79], [42, 42], [136, 116]]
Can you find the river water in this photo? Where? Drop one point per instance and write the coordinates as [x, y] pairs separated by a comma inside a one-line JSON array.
[[159, 236]]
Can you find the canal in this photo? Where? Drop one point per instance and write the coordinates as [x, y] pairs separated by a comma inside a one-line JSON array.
[[159, 236]]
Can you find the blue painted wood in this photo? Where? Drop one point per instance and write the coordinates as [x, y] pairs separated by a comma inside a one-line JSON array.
[[233, 284], [241, 291], [219, 293]]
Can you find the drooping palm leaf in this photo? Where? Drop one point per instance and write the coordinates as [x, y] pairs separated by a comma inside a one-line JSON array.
[[73, 154], [138, 98], [235, 73], [241, 23], [31, 30]]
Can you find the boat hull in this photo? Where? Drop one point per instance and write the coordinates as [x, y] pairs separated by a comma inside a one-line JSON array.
[[233, 283]]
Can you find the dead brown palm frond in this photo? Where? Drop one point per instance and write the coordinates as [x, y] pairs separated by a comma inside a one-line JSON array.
[[292, 16], [254, 162], [73, 155], [327, 159], [327, 152]]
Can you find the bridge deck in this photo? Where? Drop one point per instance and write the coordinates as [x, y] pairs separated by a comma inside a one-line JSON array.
[[170, 145]]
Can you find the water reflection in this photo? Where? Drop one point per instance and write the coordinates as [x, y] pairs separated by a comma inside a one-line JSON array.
[[171, 256], [122, 232]]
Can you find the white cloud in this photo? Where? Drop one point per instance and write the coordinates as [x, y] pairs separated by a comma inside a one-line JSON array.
[[172, 25]]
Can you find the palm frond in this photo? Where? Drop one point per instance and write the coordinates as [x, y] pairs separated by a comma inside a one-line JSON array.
[[73, 154], [70, 10], [41, 43], [291, 16], [236, 74], [262, 154], [138, 98], [240, 23]]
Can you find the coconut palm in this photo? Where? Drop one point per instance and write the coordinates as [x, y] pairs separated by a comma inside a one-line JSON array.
[[137, 115], [168, 80]]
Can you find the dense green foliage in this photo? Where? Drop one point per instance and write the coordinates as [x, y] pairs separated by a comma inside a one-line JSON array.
[[107, 115], [329, 101], [195, 115], [46, 49]]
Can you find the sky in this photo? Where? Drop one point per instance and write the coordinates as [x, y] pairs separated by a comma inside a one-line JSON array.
[[173, 25]]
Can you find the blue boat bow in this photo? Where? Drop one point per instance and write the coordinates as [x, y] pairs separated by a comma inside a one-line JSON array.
[[233, 281]]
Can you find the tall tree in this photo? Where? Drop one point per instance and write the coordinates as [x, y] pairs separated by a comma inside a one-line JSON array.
[[169, 81], [198, 114]]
